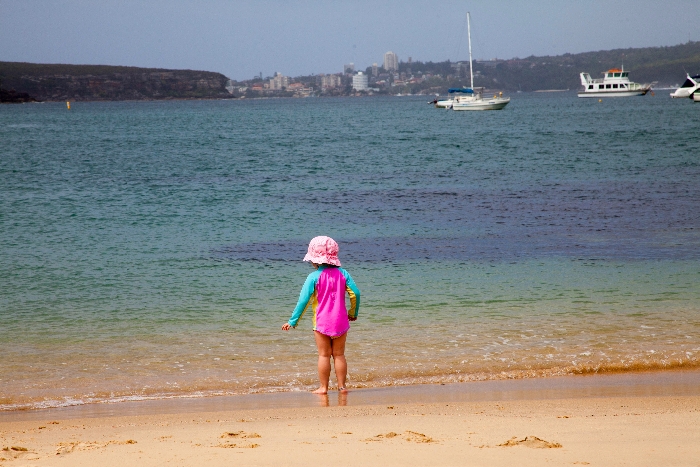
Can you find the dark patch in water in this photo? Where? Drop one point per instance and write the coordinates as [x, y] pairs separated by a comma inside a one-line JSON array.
[[489, 248], [601, 220]]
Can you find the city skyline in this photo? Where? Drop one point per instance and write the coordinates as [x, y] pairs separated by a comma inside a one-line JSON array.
[[244, 39]]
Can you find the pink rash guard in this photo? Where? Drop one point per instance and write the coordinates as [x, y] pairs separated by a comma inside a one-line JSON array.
[[324, 292]]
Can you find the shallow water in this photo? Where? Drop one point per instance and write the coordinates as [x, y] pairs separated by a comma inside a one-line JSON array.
[[153, 249]]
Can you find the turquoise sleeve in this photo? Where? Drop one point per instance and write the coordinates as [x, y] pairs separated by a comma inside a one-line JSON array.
[[307, 293], [354, 293]]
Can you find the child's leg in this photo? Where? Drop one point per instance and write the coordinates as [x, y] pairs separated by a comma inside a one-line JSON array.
[[341, 366], [323, 343]]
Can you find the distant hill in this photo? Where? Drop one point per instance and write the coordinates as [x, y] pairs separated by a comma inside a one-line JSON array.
[[49, 82], [666, 65]]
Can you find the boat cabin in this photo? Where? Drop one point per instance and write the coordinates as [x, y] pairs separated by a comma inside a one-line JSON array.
[[691, 82], [615, 73], [613, 79]]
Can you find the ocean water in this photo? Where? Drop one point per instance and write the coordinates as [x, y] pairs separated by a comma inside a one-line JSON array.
[[153, 249]]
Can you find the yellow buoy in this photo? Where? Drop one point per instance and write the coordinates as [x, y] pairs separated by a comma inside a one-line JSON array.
[[600, 100], [68, 104]]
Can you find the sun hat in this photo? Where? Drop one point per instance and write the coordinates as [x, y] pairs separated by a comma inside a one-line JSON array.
[[323, 250]]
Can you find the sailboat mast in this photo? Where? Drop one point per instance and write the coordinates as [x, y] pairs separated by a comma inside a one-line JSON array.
[[469, 35]]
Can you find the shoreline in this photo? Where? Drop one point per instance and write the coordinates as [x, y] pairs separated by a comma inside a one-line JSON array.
[[644, 419], [458, 380], [676, 382]]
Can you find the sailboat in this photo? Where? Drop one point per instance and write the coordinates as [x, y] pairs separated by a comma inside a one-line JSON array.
[[473, 98]]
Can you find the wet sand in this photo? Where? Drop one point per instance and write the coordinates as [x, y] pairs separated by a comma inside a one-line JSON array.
[[628, 419]]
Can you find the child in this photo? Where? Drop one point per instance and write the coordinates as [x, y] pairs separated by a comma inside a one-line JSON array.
[[324, 291]]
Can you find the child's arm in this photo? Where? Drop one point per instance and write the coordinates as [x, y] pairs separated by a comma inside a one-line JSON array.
[[305, 300], [354, 293]]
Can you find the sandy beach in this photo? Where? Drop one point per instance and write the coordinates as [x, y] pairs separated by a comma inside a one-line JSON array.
[[642, 420]]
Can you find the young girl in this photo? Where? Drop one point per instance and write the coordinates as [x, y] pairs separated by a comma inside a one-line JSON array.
[[324, 292]]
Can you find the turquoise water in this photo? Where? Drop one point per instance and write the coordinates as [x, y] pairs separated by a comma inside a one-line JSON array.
[[153, 249]]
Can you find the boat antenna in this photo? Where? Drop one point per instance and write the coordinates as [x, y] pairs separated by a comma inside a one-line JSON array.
[[469, 34]]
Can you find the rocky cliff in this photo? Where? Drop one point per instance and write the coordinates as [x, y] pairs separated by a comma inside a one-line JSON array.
[[104, 83], [14, 97]]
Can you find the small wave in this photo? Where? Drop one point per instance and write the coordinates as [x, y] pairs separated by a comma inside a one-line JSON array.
[[414, 377]]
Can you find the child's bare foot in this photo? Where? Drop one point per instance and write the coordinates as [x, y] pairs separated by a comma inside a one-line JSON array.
[[343, 390], [321, 390]]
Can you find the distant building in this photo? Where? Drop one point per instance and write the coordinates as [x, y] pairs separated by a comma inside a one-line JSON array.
[[391, 61], [359, 82], [349, 68], [279, 82], [330, 81], [375, 69]]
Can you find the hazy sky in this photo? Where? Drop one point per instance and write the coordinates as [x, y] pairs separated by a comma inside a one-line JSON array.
[[242, 38]]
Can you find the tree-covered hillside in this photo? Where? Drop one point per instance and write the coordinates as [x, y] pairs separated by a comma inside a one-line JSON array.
[[49, 82], [665, 65]]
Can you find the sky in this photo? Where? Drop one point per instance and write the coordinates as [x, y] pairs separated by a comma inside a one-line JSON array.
[[302, 37]]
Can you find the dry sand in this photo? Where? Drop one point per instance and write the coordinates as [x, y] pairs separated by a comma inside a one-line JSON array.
[[507, 427]]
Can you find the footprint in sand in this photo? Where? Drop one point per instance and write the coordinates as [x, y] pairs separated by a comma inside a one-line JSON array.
[[410, 436], [380, 437], [16, 449], [234, 445], [530, 442], [240, 435], [418, 437], [16, 452], [67, 448]]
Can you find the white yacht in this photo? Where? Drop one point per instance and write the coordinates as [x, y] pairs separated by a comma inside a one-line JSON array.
[[471, 98], [689, 88], [615, 83], [446, 103], [476, 101]]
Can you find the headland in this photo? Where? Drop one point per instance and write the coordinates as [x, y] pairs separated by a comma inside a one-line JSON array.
[[60, 82]]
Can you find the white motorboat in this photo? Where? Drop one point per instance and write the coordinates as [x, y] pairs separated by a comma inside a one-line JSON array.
[[696, 96], [615, 83], [689, 88], [471, 98]]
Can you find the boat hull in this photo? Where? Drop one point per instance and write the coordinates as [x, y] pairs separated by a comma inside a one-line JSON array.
[[682, 93], [696, 97], [446, 104], [690, 86], [485, 104], [630, 93]]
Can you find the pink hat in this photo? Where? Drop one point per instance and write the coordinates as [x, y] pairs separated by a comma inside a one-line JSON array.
[[323, 250]]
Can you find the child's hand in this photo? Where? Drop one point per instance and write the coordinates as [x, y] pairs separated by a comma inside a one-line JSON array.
[[286, 327]]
